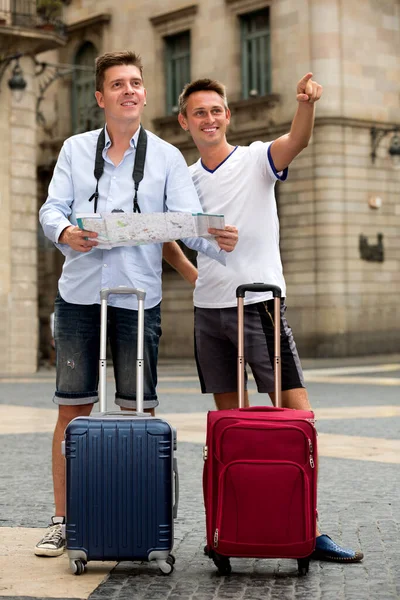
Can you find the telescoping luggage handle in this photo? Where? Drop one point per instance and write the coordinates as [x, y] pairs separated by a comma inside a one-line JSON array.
[[240, 294], [141, 295], [104, 294]]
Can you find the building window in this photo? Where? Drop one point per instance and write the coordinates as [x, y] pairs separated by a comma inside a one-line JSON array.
[[256, 53], [86, 114], [177, 67]]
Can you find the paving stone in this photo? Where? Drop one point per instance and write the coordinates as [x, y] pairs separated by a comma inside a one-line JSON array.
[[358, 503]]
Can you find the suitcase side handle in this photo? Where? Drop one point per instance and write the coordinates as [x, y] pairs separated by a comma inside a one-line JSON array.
[[124, 413], [176, 479], [258, 287], [263, 409]]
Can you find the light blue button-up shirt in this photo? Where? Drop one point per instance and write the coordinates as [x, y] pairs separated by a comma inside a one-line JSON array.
[[166, 185]]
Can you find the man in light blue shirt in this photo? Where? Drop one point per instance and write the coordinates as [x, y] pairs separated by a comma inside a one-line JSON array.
[[166, 185]]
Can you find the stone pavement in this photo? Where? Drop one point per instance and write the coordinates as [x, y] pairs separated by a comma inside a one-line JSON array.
[[357, 404]]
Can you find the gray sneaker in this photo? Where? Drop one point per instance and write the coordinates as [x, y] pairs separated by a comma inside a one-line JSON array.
[[53, 542]]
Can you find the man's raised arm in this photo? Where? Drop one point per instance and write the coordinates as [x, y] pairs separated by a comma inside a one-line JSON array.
[[285, 148]]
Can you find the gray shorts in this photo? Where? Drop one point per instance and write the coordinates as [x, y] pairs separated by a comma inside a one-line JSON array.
[[216, 348]]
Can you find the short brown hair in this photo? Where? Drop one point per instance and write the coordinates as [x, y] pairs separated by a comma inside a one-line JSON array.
[[114, 59], [201, 85]]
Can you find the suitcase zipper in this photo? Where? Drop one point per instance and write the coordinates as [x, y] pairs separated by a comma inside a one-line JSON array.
[[205, 452], [310, 445], [216, 538]]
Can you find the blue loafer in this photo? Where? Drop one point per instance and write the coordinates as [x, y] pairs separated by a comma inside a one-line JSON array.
[[327, 549]]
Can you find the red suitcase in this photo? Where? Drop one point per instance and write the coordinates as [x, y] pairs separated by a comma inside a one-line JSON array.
[[259, 476]]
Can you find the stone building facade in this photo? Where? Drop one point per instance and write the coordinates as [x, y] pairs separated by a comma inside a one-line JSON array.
[[21, 32], [339, 210]]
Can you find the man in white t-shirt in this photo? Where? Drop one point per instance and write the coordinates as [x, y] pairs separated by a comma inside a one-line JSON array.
[[239, 183]]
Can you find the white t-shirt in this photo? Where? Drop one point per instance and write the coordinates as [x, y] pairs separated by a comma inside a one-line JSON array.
[[242, 189]]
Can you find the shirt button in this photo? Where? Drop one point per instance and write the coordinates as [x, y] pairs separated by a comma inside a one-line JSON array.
[[104, 265], [114, 177]]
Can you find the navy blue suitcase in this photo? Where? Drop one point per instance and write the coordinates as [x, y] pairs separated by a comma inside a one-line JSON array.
[[121, 475]]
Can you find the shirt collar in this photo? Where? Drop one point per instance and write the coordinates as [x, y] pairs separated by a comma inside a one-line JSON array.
[[133, 142]]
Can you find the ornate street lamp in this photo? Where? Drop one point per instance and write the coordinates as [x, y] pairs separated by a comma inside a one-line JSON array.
[[48, 73], [17, 83]]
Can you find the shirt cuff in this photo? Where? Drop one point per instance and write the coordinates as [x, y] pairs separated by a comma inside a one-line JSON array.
[[210, 249], [60, 229]]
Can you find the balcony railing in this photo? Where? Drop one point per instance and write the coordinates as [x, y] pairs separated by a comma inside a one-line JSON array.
[[24, 13]]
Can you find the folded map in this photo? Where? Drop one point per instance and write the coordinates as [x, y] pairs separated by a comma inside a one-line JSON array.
[[132, 229]]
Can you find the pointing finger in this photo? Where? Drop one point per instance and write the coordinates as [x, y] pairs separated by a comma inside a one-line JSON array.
[[304, 83], [306, 78]]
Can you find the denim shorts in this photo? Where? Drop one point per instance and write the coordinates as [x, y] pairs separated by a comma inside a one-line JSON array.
[[77, 341], [216, 348]]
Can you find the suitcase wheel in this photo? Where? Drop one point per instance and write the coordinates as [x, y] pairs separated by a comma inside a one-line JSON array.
[[222, 563], [303, 566], [167, 566], [77, 566]]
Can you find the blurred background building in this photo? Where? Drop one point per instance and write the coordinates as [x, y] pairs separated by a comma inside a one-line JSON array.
[[339, 210]]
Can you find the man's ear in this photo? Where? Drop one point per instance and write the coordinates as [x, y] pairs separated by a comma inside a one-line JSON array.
[[183, 122], [100, 99], [228, 116]]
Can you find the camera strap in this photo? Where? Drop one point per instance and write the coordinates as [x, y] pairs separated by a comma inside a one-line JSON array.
[[138, 167]]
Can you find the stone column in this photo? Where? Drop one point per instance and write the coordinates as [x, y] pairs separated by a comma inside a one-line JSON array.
[[18, 229]]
